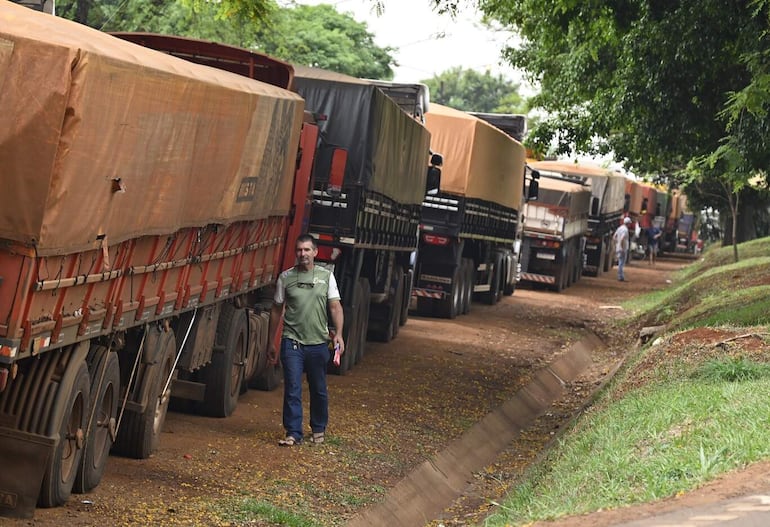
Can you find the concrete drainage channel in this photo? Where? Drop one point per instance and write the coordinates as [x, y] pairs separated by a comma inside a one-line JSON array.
[[433, 486]]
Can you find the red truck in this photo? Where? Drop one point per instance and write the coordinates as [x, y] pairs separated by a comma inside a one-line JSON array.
[[148, 205]]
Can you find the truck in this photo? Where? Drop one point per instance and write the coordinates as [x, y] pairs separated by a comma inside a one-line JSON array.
[[555, 227], [641, 207], [469, 225], [366, 222], [606, 208], [149, 204]]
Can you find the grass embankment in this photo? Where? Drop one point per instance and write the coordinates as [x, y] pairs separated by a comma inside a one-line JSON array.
[[690, 405]]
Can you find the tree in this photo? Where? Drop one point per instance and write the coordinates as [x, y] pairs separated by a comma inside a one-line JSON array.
[[159, 16], [648, 81], [309, 35], [469, 90], [320, 36]]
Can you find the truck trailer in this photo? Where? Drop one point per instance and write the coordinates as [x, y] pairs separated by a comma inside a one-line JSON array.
[[606, 209], [555, 227], [469, 225], [366, 222], [148, 206]]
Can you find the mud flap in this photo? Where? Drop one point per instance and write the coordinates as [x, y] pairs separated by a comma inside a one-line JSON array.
[[25, 458]]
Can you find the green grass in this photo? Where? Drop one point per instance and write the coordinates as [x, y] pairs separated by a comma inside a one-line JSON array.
[[250, 510], [649, 445], [668, 422]]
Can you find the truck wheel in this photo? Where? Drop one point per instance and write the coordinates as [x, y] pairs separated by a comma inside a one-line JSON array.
[[509, 284], [398, 302], [463, 293], [255, 354], [366, 292], [350, 335], [139, 432], [408, 281], [224, 374], [607, 255], [69, 419], [384, 327], [105, 390], [492, 296], [268, 376], [470, 281]]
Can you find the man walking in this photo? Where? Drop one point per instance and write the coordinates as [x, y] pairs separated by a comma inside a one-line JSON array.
[[653, 240], [620, 238], [302, 295]]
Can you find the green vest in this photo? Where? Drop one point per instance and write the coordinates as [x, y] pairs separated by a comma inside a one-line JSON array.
[[305, 297]]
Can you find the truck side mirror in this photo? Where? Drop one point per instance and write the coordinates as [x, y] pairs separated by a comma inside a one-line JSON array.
[[534, 186], [433, 181], [594, 206], [533, 191]]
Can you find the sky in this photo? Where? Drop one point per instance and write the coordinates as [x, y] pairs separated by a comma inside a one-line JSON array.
[[428, 43]]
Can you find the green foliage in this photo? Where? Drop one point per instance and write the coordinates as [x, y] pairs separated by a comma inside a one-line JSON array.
[[732, 369], [660, 85], [316, 36], [171, 17], [471, 91], [321, 37]]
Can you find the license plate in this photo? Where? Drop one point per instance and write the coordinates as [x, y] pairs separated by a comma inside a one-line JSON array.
[[546, 256]]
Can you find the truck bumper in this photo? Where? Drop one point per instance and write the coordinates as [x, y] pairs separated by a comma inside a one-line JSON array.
[[539, 278]]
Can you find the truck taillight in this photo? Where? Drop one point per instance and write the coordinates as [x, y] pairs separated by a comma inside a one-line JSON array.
[[551, 244], [433, 239]]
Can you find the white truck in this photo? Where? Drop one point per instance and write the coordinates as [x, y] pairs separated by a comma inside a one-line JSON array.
[[555, 227]]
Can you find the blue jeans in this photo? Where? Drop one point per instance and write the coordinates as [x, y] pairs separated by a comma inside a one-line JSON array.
[[312, 360], [621, 264]]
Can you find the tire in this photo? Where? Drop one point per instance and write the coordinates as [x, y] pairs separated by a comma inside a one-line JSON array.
[[223, 376], [351, 335], [255, 354], [509, 287], [398, 302], [470, 281], [105, 395], [385, 327], [269, 376], [492, 296], [408, 281], [69, 419], [139, 432], [366, 293], [463, 295]]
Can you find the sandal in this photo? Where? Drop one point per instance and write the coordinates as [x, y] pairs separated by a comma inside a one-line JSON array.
[[317, 438], [289, 441]]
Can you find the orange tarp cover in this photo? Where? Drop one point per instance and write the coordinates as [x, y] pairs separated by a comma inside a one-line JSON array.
[[190, 145], [480, 161]]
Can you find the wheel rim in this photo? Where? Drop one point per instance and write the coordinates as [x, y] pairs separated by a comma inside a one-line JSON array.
[[236, 372], [161, 404], [104, 420], [73, 439]]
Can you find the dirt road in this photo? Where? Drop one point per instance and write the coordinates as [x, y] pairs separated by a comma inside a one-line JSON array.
[[404, 403]]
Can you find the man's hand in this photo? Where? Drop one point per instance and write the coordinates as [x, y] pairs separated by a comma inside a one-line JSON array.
[[272, 354], [338, 342]]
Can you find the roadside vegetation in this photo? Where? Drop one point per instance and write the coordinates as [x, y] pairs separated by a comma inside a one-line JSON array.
[[690, 404]]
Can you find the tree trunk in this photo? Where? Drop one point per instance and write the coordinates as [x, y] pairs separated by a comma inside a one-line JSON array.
[[81, 12]]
